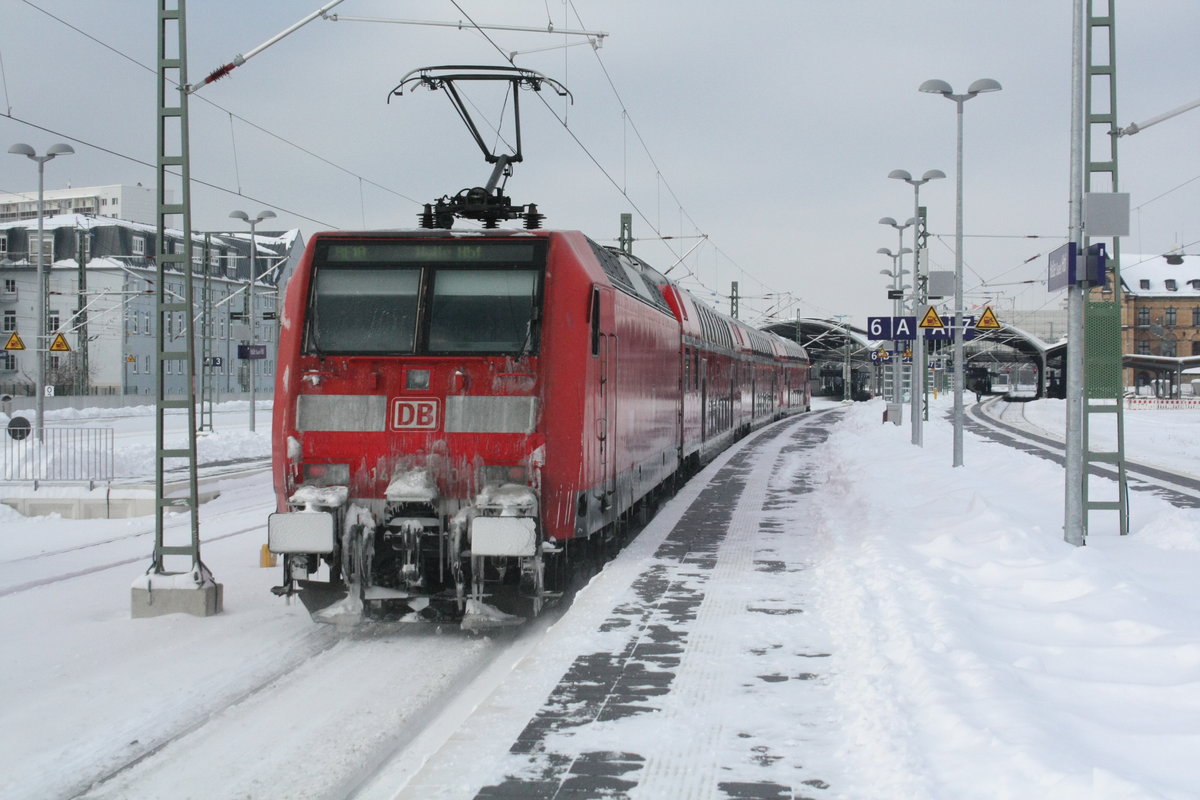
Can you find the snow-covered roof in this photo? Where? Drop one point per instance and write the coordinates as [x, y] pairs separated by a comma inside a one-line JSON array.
[[1168, 275]]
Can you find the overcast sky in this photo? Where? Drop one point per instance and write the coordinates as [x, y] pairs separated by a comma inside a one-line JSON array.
[[769, 127]]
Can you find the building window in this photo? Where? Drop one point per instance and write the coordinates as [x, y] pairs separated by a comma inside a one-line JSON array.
[[139, 245], [47, 246], [53, 319], [1143, 316], [1144, 283], [1171, 284], [3, 244], [146, 322], [1143, 348], [133, 360], [8, 362], [1196, 317], [1196, 348], [1168, 349], [10, 321], [147, 363], [1170, 318], [10, 285]]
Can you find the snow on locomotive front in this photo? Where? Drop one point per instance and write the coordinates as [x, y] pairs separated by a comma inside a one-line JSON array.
[[409, 447]]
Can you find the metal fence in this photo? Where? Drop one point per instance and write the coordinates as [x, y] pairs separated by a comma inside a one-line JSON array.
[[62, 454]]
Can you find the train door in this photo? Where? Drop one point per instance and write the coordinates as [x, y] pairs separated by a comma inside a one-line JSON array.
[[604, 348], [704, 399]]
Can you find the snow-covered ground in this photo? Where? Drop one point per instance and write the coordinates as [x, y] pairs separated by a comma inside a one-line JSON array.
[[972, 653]]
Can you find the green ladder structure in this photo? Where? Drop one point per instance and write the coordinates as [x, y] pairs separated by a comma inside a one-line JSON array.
[[173, 163], [1103, 383]]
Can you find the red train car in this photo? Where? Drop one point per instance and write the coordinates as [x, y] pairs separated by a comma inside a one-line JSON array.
[[457, 412]]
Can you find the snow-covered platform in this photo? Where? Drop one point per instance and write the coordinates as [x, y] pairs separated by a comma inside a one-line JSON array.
[[696, 672]]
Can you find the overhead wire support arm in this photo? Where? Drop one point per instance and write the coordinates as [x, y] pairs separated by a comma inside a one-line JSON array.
[[598, 36], [242, 58], [1133, 128]]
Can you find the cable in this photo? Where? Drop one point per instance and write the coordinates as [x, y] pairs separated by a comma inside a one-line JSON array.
[[240, 118], [148, 165]]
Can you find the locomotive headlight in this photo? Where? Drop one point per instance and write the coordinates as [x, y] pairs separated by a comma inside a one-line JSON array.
[[417, 380], [327, 474]]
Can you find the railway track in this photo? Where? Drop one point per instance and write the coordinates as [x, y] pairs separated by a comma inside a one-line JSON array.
[[1005, 423]]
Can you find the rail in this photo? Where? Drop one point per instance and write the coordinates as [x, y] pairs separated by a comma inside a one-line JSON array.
[[63, 454]]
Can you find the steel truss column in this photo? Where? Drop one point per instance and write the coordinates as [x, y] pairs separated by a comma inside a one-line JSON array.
[[179, 349], [1103, 379]]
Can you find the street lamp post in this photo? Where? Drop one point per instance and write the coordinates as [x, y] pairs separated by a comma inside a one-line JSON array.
[[896, 273], [980, 86], [920, 289], [244, 217], [43, 278]]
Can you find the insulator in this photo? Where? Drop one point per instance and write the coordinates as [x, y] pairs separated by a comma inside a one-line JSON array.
[[425, 218]]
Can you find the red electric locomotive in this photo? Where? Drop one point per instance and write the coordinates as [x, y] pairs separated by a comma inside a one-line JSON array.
[[460, 409], [461, 414]]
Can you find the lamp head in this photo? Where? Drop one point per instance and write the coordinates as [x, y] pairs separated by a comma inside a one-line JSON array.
[[900, 174], [932, 174], [983, 85], [60, 149], [22, 149], [266, 213], [886, 252], [935, 86], [242, 215], [887, 221]]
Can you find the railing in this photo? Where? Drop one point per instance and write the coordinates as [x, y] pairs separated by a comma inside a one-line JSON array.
[[63, 454]]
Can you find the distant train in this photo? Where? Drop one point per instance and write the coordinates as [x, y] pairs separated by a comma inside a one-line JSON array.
[[465, 414]]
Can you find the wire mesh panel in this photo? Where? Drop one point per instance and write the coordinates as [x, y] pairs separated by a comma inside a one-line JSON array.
[[63, 454], [1102, 369]]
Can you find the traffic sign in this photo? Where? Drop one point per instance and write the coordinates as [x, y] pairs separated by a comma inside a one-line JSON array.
[[932, 320], [987, 320], [59, 345], [14, 342]]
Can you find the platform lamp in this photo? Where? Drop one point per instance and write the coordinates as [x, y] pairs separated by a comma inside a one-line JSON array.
[[980, 86], [920, 298], [244, 217], [43, 278], [896, 273]]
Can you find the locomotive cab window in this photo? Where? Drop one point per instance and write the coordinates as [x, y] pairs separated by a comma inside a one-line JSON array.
[[398, 295], [483, 311], [373, 310]]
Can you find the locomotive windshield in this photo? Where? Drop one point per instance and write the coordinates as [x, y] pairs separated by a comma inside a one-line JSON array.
[[396, 296]]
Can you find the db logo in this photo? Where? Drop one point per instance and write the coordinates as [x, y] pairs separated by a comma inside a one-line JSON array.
[[414, 415]]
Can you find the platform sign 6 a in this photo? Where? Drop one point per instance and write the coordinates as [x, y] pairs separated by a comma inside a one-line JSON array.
[[895, 328]]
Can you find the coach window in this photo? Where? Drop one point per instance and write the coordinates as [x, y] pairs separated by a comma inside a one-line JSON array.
[[595, 315], [364, 310], [483, 311]]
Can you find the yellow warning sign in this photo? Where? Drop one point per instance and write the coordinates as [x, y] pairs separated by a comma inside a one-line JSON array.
[[987, 320], [59, 345], [14, 342], [931, 319]]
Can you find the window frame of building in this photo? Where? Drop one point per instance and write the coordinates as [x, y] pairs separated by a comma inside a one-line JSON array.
[[53, 321], [1172, 314], [1196, 317], [1143, 347], [10, 286], [3, 244], [1167, 348], [8, 361], [10, 320], [138, 245], [1143, 317], [1171, 285]]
